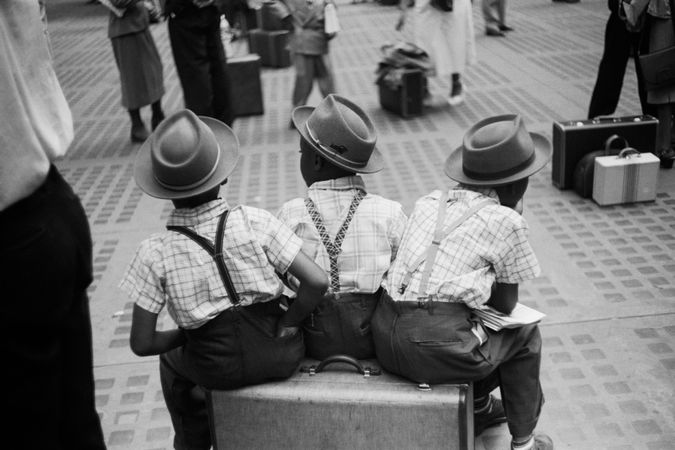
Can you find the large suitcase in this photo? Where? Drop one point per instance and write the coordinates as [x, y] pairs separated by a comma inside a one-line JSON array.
[[575, 138], [247, 97], [342, 408], [405, 100], [271, 46]]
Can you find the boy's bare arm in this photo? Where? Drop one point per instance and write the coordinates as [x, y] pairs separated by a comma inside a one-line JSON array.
[[145, 340], [504, 297], [313, 284]]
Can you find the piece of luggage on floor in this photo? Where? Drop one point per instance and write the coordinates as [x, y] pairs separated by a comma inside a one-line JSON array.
[[627, 177], [271, 46], [343, 405], [247, 97], [407, 98], [582, 181], [573, 139]]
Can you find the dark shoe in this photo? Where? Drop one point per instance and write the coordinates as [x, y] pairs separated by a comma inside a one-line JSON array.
[[505, 28], [493, 32], [666, 158], [490, 418], [541, 442], [139, 133]]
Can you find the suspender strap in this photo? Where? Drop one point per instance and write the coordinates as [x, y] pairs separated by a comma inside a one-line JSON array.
[[215, 252], [334, 248], [439, 234]]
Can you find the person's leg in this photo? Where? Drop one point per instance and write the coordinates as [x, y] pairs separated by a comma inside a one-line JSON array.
[[491, 17], [157, 113], [664, 148], [217, 60], [323, 70], [185, 401], [607, 90], [188, 45], [304, 78], [456, 90], [45, 253], [139, 133]]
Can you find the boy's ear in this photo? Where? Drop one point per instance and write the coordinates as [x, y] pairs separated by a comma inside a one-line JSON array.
[[318, 161]]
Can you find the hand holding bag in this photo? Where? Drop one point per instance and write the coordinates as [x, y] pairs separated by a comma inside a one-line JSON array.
[[658, 68]]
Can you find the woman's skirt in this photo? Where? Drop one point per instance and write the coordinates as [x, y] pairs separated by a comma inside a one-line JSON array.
[[140, 68]]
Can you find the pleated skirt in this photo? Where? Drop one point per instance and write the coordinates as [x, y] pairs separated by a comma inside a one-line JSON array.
[[140, 68]]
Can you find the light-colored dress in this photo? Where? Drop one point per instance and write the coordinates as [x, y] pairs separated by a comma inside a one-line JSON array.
[[448, 37]]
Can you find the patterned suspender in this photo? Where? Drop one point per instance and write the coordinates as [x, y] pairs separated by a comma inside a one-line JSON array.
[[333, 248], [216, 253]]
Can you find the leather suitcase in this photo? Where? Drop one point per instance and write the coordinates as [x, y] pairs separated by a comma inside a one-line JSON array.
[[585, 168], [575, 138], [271, 46], [342, 408], [626, 178], [406, 100], [247, 97]]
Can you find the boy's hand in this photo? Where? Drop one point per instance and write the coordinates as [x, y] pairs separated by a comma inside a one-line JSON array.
[[284, 332]]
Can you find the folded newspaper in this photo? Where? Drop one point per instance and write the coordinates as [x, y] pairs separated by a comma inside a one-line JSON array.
[[521, 315]]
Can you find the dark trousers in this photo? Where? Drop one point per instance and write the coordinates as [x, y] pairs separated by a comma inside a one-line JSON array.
[[45, 337], [237, 348], [341, 326], [201, 61], [434, 344], [620, 44]]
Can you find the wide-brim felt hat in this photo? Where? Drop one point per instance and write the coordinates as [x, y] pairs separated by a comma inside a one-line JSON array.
[[186, 156], [340, 131], [496, 151]]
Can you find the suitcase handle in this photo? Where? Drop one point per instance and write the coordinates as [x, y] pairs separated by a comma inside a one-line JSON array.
[[626, 152], [610, 143], [365, 371]]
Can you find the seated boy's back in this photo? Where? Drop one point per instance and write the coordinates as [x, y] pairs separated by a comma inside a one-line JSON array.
[[352, 235]]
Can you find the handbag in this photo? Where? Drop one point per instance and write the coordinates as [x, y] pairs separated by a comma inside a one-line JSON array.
[[658, 68], [331, 22], [582, 181], [443, 5]]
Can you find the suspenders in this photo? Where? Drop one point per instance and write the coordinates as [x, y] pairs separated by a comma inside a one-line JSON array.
[[216, 253], [439, 234], [333, 248]]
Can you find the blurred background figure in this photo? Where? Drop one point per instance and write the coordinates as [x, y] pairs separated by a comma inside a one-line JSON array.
[[138, 61], [45, 253], [447, 37]]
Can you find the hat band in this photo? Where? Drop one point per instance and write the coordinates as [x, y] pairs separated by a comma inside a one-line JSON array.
[[500, 174], [336, 155], [197, 183]]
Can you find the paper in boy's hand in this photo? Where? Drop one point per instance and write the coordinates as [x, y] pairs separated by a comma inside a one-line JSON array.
[[521, 315]]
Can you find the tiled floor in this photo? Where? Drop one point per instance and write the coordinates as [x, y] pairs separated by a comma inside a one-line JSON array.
[[607, 283]]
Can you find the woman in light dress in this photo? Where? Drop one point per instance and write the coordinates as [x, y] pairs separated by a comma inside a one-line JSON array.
[[447, 37]]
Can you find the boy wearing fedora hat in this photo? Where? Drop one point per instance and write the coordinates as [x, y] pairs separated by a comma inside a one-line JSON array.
[[215, 271], [351, 234], [463, 249]]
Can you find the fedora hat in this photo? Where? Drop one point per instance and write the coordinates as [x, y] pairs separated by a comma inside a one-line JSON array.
[[340, 131], [497, 151], [185, 156]]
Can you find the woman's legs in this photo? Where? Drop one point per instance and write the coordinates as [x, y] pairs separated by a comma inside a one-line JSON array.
[[664, 145], [157, 113], [138, 131], [456, 97]]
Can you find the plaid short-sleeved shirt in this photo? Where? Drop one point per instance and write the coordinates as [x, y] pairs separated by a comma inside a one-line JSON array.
[[490, 246], [372, 239], [171, 270]]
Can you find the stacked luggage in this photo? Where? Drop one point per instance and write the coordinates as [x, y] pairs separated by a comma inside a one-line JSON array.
[[269, 40]]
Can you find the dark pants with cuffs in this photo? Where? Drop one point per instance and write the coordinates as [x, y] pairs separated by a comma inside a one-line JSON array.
[[237, 348], [341, 326], [433, 343], [201, 61], [45, 337]]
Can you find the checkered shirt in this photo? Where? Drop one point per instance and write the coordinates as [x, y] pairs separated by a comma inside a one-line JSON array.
[[171, 269], [372, 239], [489, 246]]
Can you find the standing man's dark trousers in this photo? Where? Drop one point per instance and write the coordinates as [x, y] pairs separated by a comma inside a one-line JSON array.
[[620, 44], [45, 337], [434, 344], [201, 61]]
